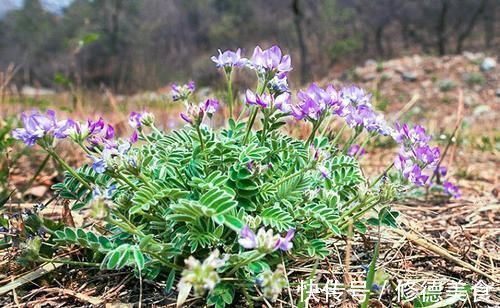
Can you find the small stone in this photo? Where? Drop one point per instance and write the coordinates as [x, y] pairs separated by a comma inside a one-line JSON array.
[[409, 76], [497, 92], [37, 191], [488, 64]]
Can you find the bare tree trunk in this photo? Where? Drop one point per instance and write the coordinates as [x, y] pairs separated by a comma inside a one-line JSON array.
[[441, 28], [304, 69], [472, 22], [379, 34], [489, 24]]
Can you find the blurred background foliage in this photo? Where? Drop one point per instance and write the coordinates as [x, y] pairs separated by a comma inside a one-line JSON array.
[[131, 45]]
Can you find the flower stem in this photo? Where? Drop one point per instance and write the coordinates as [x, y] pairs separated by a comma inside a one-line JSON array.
[[250, 124], [69, 262], [254, 257], [202, 143], [69, 169], [230, 97], [313, 132]]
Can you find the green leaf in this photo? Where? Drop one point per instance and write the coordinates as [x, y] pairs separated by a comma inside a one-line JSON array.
[[277, 218], [234, 223], [138, 258], [170, 281], [70, 234]]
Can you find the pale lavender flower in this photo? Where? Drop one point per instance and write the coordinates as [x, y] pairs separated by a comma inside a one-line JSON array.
[[355, 150], [271, 60], [263, 100], [247, 239], [313, 102], [451, 189], [416, 176], [98, 164], [35, 127], [324, 172], [283, 102], [429, 156], [285, 243], [186, 118], [210, 106], [182, 92], [229, 58], [134, 119], [278, 85], [354, 96]]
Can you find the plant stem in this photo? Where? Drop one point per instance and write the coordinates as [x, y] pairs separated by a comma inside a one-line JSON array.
[[254, 257], [202, 143], [250, 124], [313, 132], [291, 176], [381, 175], [68, 168], [37, 172], [69, 262], [230, 97], [360, 213], [126, 180]]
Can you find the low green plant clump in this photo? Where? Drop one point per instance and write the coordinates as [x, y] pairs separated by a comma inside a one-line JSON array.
[[221, 212]]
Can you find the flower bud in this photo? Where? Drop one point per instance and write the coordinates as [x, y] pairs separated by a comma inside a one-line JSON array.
[[147, 119], [272, 283]]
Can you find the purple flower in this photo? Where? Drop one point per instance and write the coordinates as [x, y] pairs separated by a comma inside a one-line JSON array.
[[186, 118], [134, 119], [429, 156], [229, 58], [95, 127], [285, 243], [182, 92], [36, 126], [110, 132], [210, 106], [248, 238], [98, 164], [451, 189], [324, 172], [283, 102], [263, 100], [270, 60], [442, 170], [414, 137], [278, 85], [416, 176], [134, 137], [355, 150], [354, 96]]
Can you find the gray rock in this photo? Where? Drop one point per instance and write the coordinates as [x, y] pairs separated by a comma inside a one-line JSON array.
[[488, 64], [409, 76], [497, 92]]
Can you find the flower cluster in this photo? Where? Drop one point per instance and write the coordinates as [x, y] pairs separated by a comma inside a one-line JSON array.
[[265, 241], [357, 110], [182, 92], [229, 58], [201, 276], [282, 101], [37, 126], [314, 102], [195, 113], [272, 283], [415, 155]]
